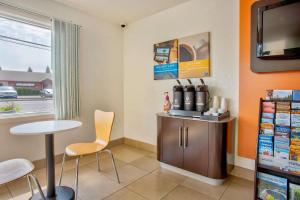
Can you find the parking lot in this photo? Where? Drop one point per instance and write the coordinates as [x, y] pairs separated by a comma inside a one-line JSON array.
[[30, 104]]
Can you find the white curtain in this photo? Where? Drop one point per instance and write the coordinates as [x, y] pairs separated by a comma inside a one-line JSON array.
[[65, 67]]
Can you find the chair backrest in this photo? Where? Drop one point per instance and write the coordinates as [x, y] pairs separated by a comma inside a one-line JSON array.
[[103, 125]]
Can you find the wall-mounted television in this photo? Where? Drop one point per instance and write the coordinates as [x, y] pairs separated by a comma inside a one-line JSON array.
[[278, 30], [275, 35]]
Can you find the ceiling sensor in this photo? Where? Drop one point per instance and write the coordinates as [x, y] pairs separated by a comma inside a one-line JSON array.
[[123, 25]]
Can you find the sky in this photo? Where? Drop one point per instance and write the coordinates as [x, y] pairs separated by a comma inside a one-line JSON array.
[[17, 55]]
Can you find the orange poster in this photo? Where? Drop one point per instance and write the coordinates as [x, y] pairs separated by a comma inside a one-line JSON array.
[[194, 56]]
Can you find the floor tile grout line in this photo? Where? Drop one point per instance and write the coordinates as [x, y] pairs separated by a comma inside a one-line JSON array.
[[148, 173], [206, 195], [231, 182], [126, 186], [138, 194], [170, 191]]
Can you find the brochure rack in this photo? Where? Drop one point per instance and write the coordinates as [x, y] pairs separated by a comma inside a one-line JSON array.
[[274, 169]]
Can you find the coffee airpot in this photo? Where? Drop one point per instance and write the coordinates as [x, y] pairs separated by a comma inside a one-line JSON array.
[[178, 96], [189, 96], [202, 97]]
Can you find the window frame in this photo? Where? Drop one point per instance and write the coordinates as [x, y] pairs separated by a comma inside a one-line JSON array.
[[18, 117]]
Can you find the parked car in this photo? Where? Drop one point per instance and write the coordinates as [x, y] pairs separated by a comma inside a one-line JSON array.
[[47, 93], [8, 92]]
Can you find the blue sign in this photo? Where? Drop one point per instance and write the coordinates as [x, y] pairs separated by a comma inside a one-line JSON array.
[[166, 71]]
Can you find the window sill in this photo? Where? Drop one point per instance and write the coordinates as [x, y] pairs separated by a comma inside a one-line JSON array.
[[25, 117]]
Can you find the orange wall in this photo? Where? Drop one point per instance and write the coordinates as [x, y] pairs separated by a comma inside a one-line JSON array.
[[253, 86]]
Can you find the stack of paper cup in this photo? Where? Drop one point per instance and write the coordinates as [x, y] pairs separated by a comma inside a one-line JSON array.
[[216, 102], [215, 106], [223, 107], [218, 107]]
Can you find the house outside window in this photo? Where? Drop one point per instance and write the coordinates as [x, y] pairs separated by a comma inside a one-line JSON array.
[[25, 72]]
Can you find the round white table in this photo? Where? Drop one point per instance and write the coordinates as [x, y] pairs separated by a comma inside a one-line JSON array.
[[49, 128]]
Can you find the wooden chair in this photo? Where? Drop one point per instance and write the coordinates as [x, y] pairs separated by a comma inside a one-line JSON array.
[[14, 169], [103, 126]]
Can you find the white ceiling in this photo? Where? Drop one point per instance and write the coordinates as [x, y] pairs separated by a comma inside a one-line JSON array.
[[121, 11]]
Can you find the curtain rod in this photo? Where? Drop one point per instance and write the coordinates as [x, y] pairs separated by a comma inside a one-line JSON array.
[[30, 11]]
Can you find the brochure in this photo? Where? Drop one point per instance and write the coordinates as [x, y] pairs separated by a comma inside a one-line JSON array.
[[268, 115], [283, 105], [294, 166], [281, 134], [281, 153], [295, 105], [266, 120], [265, 131], [268, 110], [280, 115], [282, 129], [296, 95], [282, 94], [265, 145], [282, 164], [271, 187], [294, 191], [269, 104], [283, 122], [267, 125], [265, 160]]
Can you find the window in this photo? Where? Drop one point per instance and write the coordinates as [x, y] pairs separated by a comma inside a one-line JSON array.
[[25, 72]]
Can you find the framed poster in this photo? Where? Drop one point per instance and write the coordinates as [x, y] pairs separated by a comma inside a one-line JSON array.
[[166, 60], [187, 57], [194, 56]]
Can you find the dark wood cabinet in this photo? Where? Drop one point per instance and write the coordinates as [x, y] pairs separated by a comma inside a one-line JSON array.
[[195, 145], [195, 156], [172, 151]]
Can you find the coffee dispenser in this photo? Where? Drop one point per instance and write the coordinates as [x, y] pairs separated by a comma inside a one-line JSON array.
[[189, 96], [178, 96], [202, 97]]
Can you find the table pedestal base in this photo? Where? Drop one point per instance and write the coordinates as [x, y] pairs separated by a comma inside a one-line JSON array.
[[62, 193]]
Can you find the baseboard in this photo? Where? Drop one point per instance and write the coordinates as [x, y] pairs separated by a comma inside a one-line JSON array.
[[245, 162], [243, 173], [140, 145], [115, 142], [40, 164]]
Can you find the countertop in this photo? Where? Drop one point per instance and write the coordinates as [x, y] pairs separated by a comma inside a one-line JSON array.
[[226, 120]]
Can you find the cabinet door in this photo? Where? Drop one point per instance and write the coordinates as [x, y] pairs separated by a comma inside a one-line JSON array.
[[171, 141], [196, 147]]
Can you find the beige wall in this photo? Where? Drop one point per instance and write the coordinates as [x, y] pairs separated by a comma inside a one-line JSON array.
[[101, 80], [143, 97]]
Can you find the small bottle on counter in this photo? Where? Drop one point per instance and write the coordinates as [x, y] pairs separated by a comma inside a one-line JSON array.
[[167, 103]]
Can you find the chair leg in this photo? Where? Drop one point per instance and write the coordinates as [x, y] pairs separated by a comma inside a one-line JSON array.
[[30, 178], [76, 178], [113, 162], [62, 169], [30, 185], [98, 161]]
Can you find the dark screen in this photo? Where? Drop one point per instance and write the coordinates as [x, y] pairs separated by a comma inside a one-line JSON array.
[[281, 29]]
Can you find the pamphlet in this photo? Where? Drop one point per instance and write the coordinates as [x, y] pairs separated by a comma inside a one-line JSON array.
[[294, 191], [271, 187]]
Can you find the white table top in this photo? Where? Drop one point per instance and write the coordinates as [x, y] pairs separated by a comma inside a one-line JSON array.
[[45, 127]]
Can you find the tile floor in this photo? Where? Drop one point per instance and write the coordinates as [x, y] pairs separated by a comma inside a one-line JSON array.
[[141, 179]]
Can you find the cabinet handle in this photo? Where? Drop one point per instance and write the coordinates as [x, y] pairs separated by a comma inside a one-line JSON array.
[[180, 136], [185, 137]]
